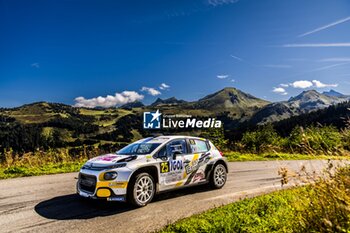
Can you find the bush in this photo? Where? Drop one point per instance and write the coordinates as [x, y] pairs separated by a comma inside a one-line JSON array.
[[346, 139], [216, 136], [327, 205], [262, 140], [325, 140]]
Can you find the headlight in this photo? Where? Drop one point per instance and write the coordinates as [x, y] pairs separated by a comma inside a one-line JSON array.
[[110, 175]]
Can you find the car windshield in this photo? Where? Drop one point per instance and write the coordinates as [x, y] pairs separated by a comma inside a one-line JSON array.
[[138, 149]]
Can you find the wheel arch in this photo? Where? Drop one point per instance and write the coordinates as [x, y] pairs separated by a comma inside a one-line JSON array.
[[223, 162], [152, 170], [210, 167]]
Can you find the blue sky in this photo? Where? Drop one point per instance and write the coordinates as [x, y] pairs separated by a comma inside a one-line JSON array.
[[57, 51]]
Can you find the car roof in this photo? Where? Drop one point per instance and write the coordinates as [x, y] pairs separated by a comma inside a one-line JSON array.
[[167, 137], [162, 139]]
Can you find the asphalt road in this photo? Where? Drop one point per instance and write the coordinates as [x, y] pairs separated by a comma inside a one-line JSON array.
[[49, 203]]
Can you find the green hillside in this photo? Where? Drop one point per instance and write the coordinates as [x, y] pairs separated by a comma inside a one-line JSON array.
[[44, 125]]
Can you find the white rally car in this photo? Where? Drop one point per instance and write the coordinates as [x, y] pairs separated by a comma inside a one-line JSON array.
[[152, 165]]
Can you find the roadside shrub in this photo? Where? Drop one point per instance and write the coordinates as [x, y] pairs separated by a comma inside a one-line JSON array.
[[346, 139], [345, 134], [315, 140], [327, 205], [263, 140], [216, 136]]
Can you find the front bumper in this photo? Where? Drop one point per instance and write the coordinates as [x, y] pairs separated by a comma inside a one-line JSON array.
[[113, 197], [90, 185]]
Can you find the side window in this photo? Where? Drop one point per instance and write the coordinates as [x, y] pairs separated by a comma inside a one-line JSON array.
[[162, 152], [198, 146], [177, 146]]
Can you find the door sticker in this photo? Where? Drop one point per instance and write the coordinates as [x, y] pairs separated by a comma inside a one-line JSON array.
[[174, 165], [164, 167]]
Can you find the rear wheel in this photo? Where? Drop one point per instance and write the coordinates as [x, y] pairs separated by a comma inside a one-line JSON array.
[[142, 190], [218, 176]]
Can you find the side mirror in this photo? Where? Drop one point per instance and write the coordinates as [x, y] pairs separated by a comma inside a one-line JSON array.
[[163, 157]]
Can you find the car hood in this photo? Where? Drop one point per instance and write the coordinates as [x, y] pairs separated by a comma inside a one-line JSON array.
[[110, 159]]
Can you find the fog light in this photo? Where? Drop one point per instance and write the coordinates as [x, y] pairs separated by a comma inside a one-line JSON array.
[[103, 193], [110, 175]]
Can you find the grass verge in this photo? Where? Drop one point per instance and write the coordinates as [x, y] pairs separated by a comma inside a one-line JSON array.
[[237, 156], [49, 168], [43, 164], [323, 206], [267, 213]]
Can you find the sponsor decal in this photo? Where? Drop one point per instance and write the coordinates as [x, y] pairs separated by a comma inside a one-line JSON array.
[[191, 168], [113, 184], [172, 177], [170, 166], [121, 185], [116, 199], [106, 158], [198, 176], [153, 120]]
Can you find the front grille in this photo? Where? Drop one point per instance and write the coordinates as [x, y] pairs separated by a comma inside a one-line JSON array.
[[87, 183]]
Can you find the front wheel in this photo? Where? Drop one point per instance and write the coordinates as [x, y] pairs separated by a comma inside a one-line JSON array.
[[142, 189], [218, 177]]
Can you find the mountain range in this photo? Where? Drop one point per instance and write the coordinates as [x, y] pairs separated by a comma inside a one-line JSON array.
[[305, 102], [51, 125], [231, 102], [240, 105]]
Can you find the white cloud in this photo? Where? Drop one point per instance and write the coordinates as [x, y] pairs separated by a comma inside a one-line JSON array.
[[109, 101], [316, 45], [325, 26], [35, 65], [301, 84], [280, 90], [222, 76], [277, 66], [237, 58], [330, 66], [232, 80], [335, 59], [151, 91], [304, 84], [221, 2], [164, 86], [319, 84]]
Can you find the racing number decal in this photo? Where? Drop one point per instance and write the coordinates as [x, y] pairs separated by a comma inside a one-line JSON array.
[[164, 167], [171, 166]]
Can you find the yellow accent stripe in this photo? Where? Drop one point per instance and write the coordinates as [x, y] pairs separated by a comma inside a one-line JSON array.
[[114, 184], [178, 183], [195, 157]]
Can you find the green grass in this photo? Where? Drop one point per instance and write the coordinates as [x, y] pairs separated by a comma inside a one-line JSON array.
[[50, 168], [322, 206], [34, 166], [237, 156], [268, 213]]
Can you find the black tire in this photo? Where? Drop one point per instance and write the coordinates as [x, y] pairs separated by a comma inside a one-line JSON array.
[[218, 176], [138, 194]]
